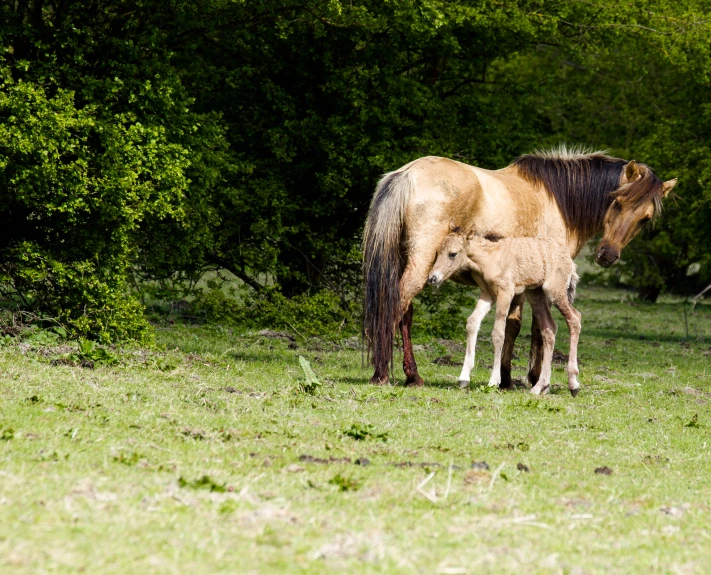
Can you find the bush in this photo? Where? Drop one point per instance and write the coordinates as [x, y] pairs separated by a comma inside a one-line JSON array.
[[443, 312], [74, 189], [320, 314]]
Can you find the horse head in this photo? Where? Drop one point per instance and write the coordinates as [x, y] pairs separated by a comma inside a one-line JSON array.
[[635, 202]]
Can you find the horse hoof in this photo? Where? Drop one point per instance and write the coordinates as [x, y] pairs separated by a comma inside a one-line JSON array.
[[414, 381], [379, 380], [463, 384], [575, 391], [511, 386]]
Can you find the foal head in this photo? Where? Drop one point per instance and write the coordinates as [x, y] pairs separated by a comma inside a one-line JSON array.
[[451, 257], [635, 202]]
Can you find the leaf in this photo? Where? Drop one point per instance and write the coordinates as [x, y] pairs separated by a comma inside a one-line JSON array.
[[344, 483], [312, 382], [362, 432], [205, 482], [693, 422]]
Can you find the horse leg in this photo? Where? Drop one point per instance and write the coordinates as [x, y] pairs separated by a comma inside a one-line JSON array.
[[572, 317], [536, 298], [409, 366], [513, 328], [380, 377], [482, 308], [411, 283], [503, 303]]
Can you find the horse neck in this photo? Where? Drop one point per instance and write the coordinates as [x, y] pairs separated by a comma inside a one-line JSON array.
[[577, 241]]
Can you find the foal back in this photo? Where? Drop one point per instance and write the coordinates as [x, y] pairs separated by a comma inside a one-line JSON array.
[[521, 263]]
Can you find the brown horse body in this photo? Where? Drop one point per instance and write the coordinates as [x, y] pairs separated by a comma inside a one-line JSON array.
[[558, 195]]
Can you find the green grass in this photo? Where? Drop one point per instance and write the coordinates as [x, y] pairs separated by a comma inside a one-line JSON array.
[[188, 460]]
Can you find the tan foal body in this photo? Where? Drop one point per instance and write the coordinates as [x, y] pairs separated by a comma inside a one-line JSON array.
[[504, 268]]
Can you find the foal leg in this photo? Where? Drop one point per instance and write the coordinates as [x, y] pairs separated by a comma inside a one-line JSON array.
[[535, 355], [548, 329], [513, 328], [482, 308], [503, 302], [572, 318]]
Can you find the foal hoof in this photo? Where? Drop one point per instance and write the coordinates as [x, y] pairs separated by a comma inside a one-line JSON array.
[[575, 391], [414, 381], [539, 390], [379, 380], [463, 383]]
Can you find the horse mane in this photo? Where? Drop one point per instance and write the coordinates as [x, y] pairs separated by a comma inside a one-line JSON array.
[[584, 183]]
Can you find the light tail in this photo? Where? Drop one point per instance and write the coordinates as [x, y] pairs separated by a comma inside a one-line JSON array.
[[572, 285]]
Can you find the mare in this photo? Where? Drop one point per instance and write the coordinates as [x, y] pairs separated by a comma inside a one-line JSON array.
[[502, 269], [566, 195]]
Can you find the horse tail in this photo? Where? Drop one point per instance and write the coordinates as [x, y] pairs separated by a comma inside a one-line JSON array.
[[383, 266], [574, 277]]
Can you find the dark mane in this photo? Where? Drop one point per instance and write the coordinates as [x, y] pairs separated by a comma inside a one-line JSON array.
[[580, 184], [585, 184], [649, 186]]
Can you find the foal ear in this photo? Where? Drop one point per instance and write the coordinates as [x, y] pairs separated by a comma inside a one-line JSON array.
[[453, 227], [631, 172], [668, 186]]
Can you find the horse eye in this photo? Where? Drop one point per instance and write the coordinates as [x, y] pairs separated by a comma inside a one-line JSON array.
[[452, 255]]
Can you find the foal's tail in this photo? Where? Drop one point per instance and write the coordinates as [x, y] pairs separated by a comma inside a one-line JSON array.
[[383, 266], [571, 286]]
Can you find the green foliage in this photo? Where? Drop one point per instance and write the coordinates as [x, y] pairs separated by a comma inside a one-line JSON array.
[[443, 312], [97, 142], [129, 459], [361, 432], [90, 352], [693, 422], [323, 314], [312, 384], [345, 483], [152, 141], [204, 482]]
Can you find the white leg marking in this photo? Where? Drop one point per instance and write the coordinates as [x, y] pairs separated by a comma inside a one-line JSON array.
[[473, 323]]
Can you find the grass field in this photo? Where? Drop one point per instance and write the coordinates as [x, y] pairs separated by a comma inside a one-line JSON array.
[[210, 457]]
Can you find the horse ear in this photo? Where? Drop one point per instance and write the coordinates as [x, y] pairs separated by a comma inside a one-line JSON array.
[[668, 186], [452, 225], [631, 171]]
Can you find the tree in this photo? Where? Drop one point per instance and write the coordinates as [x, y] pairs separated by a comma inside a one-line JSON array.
[[96, 139]]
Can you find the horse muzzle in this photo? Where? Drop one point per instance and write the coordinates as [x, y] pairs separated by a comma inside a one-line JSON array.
[[435, 279], [606, 256]]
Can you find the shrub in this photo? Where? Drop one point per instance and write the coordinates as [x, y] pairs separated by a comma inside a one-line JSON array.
[[322, 314]]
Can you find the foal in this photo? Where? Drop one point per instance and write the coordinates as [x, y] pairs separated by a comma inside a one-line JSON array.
[[503, 268]]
